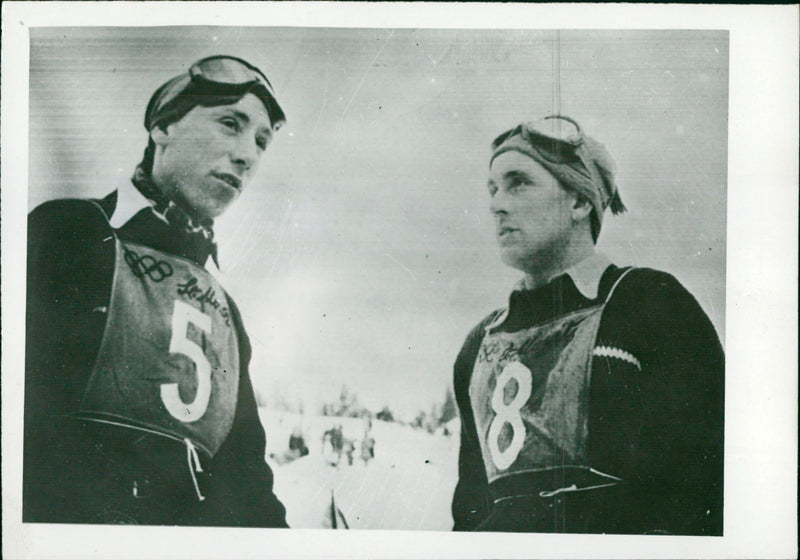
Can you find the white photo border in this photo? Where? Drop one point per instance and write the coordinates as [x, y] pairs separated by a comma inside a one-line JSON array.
[[762, 275]]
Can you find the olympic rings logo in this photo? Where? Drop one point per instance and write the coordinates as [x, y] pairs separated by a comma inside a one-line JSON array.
[[148, 266]]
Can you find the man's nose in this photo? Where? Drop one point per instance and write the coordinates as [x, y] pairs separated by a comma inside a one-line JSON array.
[[499, 204], [245, 153]]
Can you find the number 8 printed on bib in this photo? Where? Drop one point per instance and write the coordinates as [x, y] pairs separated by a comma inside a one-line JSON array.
[[529, 394], [509, 414]]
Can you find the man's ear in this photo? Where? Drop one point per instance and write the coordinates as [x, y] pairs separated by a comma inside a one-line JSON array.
[[159, 136], [581, 208]]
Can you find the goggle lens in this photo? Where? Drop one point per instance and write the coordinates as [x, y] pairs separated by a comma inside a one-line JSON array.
[[556, 138], [556, 129], [227, 70]]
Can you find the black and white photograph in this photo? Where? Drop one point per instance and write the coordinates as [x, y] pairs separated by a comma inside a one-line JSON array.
[[477, 286]]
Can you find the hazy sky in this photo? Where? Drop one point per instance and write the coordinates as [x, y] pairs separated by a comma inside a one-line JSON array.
[[363, 252]]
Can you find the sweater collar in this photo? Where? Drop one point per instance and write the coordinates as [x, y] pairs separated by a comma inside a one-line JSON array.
[[127, 214], [129, 202], [585, 276]]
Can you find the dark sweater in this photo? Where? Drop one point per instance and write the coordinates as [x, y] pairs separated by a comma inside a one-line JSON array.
[[659, 429], [84, 472]]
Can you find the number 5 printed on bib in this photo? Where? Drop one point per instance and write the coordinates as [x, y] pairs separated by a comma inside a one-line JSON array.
[[509, 414], [182, 315]]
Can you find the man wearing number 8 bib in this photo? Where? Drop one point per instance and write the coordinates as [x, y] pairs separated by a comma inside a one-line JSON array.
[[138, 403], [594, 402]]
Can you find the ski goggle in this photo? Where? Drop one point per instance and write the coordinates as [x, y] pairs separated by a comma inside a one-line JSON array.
[[556, 138], [216, 80], [227, 70]]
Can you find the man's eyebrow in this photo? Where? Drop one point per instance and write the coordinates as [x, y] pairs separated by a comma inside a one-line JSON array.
[[238, 114], [516, 174]]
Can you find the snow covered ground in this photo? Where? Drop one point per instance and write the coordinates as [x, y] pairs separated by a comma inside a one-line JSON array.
[[408, 485]]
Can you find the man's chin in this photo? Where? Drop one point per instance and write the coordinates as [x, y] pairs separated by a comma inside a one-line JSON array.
[[517, 258], [214, 208], [213, 212]]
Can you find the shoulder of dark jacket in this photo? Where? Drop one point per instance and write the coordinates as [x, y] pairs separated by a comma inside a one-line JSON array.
[[642, 289], [648, 305], [71, 217], [65, 237]]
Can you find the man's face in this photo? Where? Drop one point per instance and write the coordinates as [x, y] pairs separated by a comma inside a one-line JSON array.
[[532, 212], [205, 160]]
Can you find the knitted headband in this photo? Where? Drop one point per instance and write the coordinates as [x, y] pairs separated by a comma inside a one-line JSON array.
[[578, 162]]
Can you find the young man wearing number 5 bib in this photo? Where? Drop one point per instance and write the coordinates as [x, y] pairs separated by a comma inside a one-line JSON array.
[[594, 402], [138, 402]]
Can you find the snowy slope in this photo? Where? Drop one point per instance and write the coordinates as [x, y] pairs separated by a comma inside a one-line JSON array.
[[408, 485]]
